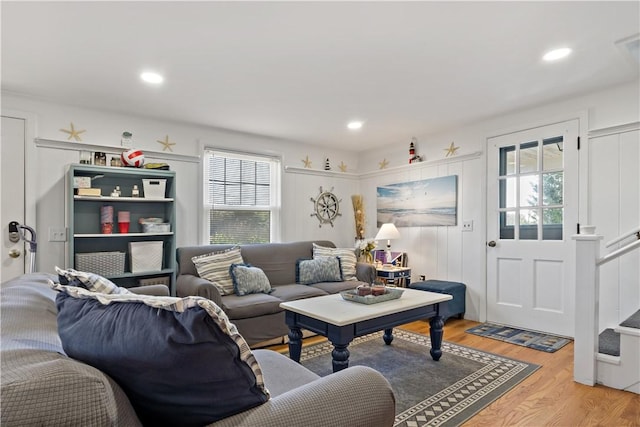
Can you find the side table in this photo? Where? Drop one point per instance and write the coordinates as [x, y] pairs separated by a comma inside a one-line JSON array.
[[391, 274]]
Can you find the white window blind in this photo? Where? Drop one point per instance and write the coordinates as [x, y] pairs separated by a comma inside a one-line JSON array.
[[241, 197]]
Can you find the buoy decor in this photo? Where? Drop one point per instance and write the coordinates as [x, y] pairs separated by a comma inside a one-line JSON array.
[[133, 158]]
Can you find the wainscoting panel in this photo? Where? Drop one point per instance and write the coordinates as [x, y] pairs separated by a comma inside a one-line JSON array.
[[614, 208]]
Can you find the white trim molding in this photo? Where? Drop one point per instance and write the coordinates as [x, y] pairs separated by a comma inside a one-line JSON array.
[[386, 171], [611, 130], [76, 146]]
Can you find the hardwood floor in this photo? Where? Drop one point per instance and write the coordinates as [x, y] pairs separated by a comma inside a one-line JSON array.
[[549, 397]]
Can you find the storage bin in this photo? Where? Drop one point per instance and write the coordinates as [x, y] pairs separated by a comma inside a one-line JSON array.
[[102, 263], [154, 227], [145, 256], [154, 188], [162, 280]]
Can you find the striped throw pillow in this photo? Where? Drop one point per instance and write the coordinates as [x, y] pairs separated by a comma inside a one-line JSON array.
[[347, 259], [214, 267]]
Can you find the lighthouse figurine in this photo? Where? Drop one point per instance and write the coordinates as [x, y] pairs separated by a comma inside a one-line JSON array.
[[412, 152]]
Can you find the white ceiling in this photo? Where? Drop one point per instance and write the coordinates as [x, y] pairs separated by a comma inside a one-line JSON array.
[[302, 70]]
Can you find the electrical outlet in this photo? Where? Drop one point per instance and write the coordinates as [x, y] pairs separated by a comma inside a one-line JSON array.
[[467, 225], [57, 234]]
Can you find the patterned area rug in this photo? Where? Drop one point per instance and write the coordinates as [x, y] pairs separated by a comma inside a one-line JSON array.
[[428, 393], [535, 340]]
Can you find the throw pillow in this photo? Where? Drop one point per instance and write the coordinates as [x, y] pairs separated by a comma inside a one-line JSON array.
[[248, 279], [215, 268], [179, 360], [90, 281], [347, 257], [321, 269]]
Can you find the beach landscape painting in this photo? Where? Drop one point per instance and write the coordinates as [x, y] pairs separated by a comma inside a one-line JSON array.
[[428, 202]]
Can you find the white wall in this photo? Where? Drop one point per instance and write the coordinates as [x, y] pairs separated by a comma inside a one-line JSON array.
[[447, 253], [437, 252], [48, 166], [614, 207]]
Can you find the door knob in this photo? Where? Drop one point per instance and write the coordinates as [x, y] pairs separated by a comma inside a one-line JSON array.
[[14, 253], [492, 244]]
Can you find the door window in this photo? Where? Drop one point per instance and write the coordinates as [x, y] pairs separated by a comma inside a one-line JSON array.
[[531, 190]]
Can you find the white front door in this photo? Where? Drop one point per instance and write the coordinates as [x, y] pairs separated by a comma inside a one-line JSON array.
[[532, 211], [12, 144]]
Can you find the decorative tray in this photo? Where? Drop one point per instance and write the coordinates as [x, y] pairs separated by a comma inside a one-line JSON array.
[[391, 293]]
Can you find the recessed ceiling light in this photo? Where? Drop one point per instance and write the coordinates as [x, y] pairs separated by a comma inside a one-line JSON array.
[[354, 125], [556, 54], [151, 77]]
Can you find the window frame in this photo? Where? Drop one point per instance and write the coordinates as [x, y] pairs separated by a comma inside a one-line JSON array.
[[275, 186]]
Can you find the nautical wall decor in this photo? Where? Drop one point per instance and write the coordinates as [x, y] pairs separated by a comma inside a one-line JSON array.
[[326, 207]]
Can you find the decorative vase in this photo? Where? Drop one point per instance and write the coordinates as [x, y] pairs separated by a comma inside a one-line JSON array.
[[368, 257]]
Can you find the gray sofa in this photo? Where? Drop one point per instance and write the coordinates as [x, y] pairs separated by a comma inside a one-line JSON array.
[[259, 317], [40, 385]]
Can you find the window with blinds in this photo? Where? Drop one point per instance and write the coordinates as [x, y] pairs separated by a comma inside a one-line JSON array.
[[241, 197]]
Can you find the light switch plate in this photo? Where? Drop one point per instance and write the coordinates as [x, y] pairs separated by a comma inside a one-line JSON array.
[[57, 234]]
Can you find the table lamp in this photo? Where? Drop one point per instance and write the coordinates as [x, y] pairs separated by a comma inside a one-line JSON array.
[[388, 231]]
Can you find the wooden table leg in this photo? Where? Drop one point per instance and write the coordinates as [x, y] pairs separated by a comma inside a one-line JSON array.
[[295, 343], [436, 324], [388, 336], [340, 357]]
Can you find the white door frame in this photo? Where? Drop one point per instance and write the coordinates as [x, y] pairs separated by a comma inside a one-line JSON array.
[[30, 167]]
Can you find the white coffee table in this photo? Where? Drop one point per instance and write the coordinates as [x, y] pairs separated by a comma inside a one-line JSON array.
[[341, 321]]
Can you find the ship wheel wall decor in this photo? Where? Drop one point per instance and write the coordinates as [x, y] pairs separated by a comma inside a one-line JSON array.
[[327, 207]]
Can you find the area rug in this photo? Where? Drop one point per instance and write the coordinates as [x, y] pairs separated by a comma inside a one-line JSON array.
[[536, 340], [428, 393]]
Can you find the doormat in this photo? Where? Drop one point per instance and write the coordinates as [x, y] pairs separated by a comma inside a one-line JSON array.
[[535, 340], [445, 393]]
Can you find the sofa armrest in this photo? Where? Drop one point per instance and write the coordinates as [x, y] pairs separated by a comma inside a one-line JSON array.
[[366, 272], [357, 396], [189, 285]]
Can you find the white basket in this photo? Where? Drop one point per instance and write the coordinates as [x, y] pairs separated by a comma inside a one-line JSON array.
[[101, 263], [150, 227], [154, 188], [145, 256]]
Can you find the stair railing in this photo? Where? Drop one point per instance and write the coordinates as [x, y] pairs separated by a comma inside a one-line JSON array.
[[624, 236], [587, 288]]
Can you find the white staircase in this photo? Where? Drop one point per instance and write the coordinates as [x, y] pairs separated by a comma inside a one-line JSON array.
[[623, 371], [620, 371]]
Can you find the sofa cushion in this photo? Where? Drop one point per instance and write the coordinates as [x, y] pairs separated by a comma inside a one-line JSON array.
[[90, 281], [347, 257], [179, 360], [251, 305], [293, 292], [321, 269], [248, 279], [215, 268]]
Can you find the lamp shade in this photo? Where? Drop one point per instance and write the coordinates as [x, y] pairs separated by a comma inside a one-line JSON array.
[[388, 231]]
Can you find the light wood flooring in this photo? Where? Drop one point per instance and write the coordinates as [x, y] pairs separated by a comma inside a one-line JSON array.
[[549, 397]]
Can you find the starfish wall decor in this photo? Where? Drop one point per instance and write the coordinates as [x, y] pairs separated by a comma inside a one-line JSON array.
[[451, 151], [73, 133], [307, 162], [166, 144], [342, 167], [383, 164]]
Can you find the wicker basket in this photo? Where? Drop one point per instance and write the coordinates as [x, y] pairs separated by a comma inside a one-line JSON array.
[[102, 263], [162, 280]]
